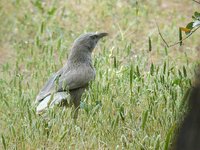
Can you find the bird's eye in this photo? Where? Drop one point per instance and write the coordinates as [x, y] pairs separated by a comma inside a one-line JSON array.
[[93, 37]]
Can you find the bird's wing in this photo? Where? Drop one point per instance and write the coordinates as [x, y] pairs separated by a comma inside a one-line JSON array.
[[49, 86], [77, 78], [50, 101], [67, 79]]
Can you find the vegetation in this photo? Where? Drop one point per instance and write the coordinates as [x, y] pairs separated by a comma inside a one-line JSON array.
[[137, 97]]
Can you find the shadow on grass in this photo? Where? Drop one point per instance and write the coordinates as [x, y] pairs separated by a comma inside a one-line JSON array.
[[188, 137]]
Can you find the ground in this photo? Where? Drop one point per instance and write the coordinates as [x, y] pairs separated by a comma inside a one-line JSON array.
[[136, 100]]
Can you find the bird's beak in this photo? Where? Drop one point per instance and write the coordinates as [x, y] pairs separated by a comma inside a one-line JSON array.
[[100, 35]]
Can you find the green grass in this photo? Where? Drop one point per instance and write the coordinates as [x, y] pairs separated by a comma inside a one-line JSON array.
[[136, 100]]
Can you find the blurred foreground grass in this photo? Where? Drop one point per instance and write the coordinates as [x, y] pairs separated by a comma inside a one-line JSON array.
[[136, 99]]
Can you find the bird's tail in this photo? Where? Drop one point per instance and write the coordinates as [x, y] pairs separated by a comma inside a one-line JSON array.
[[52, 100]]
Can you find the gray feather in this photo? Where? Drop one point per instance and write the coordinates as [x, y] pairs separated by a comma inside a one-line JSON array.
[[48, 87], [51, 100]]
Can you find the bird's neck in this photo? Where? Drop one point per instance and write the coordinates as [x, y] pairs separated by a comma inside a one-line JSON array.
[[78, 56]]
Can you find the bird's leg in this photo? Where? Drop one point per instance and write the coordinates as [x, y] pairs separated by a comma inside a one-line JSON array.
[[76, 98], [76, 106]]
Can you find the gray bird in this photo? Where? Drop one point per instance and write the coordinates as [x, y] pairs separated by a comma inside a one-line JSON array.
[[66, 86]]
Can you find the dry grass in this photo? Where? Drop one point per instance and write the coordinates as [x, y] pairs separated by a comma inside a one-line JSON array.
[[136, 99]]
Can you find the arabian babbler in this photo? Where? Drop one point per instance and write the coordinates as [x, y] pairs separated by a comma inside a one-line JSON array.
[[66, 86]]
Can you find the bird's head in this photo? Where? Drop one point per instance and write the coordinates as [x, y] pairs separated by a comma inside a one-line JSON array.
[[88, 41]]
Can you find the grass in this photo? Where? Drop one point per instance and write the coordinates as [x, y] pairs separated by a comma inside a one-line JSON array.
[[136, 100]]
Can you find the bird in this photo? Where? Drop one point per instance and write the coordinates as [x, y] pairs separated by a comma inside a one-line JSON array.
[[66, 86]]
